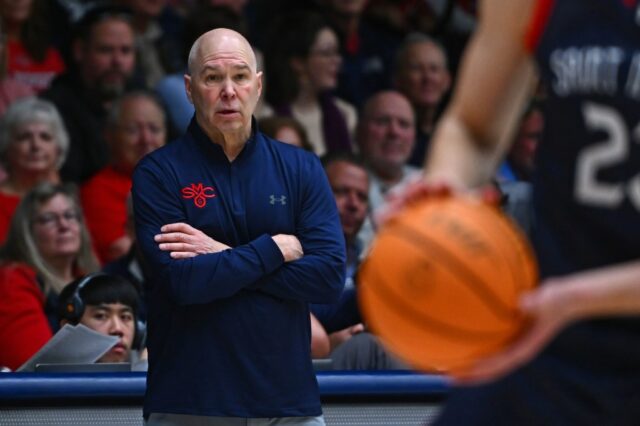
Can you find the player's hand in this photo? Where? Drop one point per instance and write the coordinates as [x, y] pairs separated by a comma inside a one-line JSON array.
[[184, 241], [420, 189], [549, 310], [290, 247], [408, 194]]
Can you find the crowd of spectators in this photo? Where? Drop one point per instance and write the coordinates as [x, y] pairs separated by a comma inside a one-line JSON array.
[[361, 82]]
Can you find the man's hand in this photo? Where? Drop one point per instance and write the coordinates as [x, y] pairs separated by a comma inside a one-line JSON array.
[[184, 241], [339, 337], [290, 247]]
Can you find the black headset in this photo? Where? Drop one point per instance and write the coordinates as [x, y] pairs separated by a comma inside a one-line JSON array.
[[75, 305], [74, 309]]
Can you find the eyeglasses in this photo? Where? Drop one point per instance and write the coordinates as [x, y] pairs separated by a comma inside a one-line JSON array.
[[51, 219]]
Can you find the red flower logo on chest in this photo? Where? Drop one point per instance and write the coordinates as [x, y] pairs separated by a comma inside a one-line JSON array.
[[199, 193]]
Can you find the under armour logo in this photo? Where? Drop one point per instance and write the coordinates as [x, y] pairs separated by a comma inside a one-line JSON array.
[[282, 199], [199, 193]]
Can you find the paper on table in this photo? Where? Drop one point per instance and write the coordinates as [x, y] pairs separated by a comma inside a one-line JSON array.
[[72, 344]]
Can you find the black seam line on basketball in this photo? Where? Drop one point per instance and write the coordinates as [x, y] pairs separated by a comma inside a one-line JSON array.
[[477, 286], [416, 315]]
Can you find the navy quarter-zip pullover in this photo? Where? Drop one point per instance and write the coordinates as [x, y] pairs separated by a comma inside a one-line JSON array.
[[229, 333]]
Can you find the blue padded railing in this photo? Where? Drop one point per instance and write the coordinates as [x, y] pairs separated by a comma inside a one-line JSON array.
[[381, 383], [333, 384]]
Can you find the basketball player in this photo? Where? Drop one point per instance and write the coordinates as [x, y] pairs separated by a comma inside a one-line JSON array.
[[579, 362]]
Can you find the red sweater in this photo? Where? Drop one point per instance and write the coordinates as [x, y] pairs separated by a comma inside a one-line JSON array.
[[8, 204], [24, 327], [104, 201]]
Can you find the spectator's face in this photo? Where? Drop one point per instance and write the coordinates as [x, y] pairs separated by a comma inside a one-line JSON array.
[[323, 63], [387, 132], [424, 79], [33, 150], [139, 131], [224, 86], [350, 185], [15, 11], [107, 59], [56, 229], [113, 319]]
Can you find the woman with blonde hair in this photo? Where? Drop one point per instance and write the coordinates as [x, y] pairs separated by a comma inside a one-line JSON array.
[[47, 247]]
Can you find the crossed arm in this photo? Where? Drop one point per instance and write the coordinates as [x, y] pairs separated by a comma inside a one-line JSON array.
[[183, 241], [194, 268]]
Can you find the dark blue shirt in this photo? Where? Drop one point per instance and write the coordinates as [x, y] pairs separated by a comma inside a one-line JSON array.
[[586, 190], [586, 187], [229, 333]]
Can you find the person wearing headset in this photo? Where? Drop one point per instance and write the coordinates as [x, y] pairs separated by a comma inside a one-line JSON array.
[[107, 304]]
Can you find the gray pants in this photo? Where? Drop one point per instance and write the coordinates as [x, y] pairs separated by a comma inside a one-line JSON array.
[[166, 419], [364, 352]]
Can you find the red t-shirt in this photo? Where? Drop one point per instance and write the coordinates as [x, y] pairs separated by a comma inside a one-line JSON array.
[[22, 67], [24, 327], [104, 202]]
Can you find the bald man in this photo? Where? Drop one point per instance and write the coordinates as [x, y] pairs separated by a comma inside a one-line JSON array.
[[239, 233]]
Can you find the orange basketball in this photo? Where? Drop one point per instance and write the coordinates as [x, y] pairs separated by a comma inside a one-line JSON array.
[[442, 282]]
